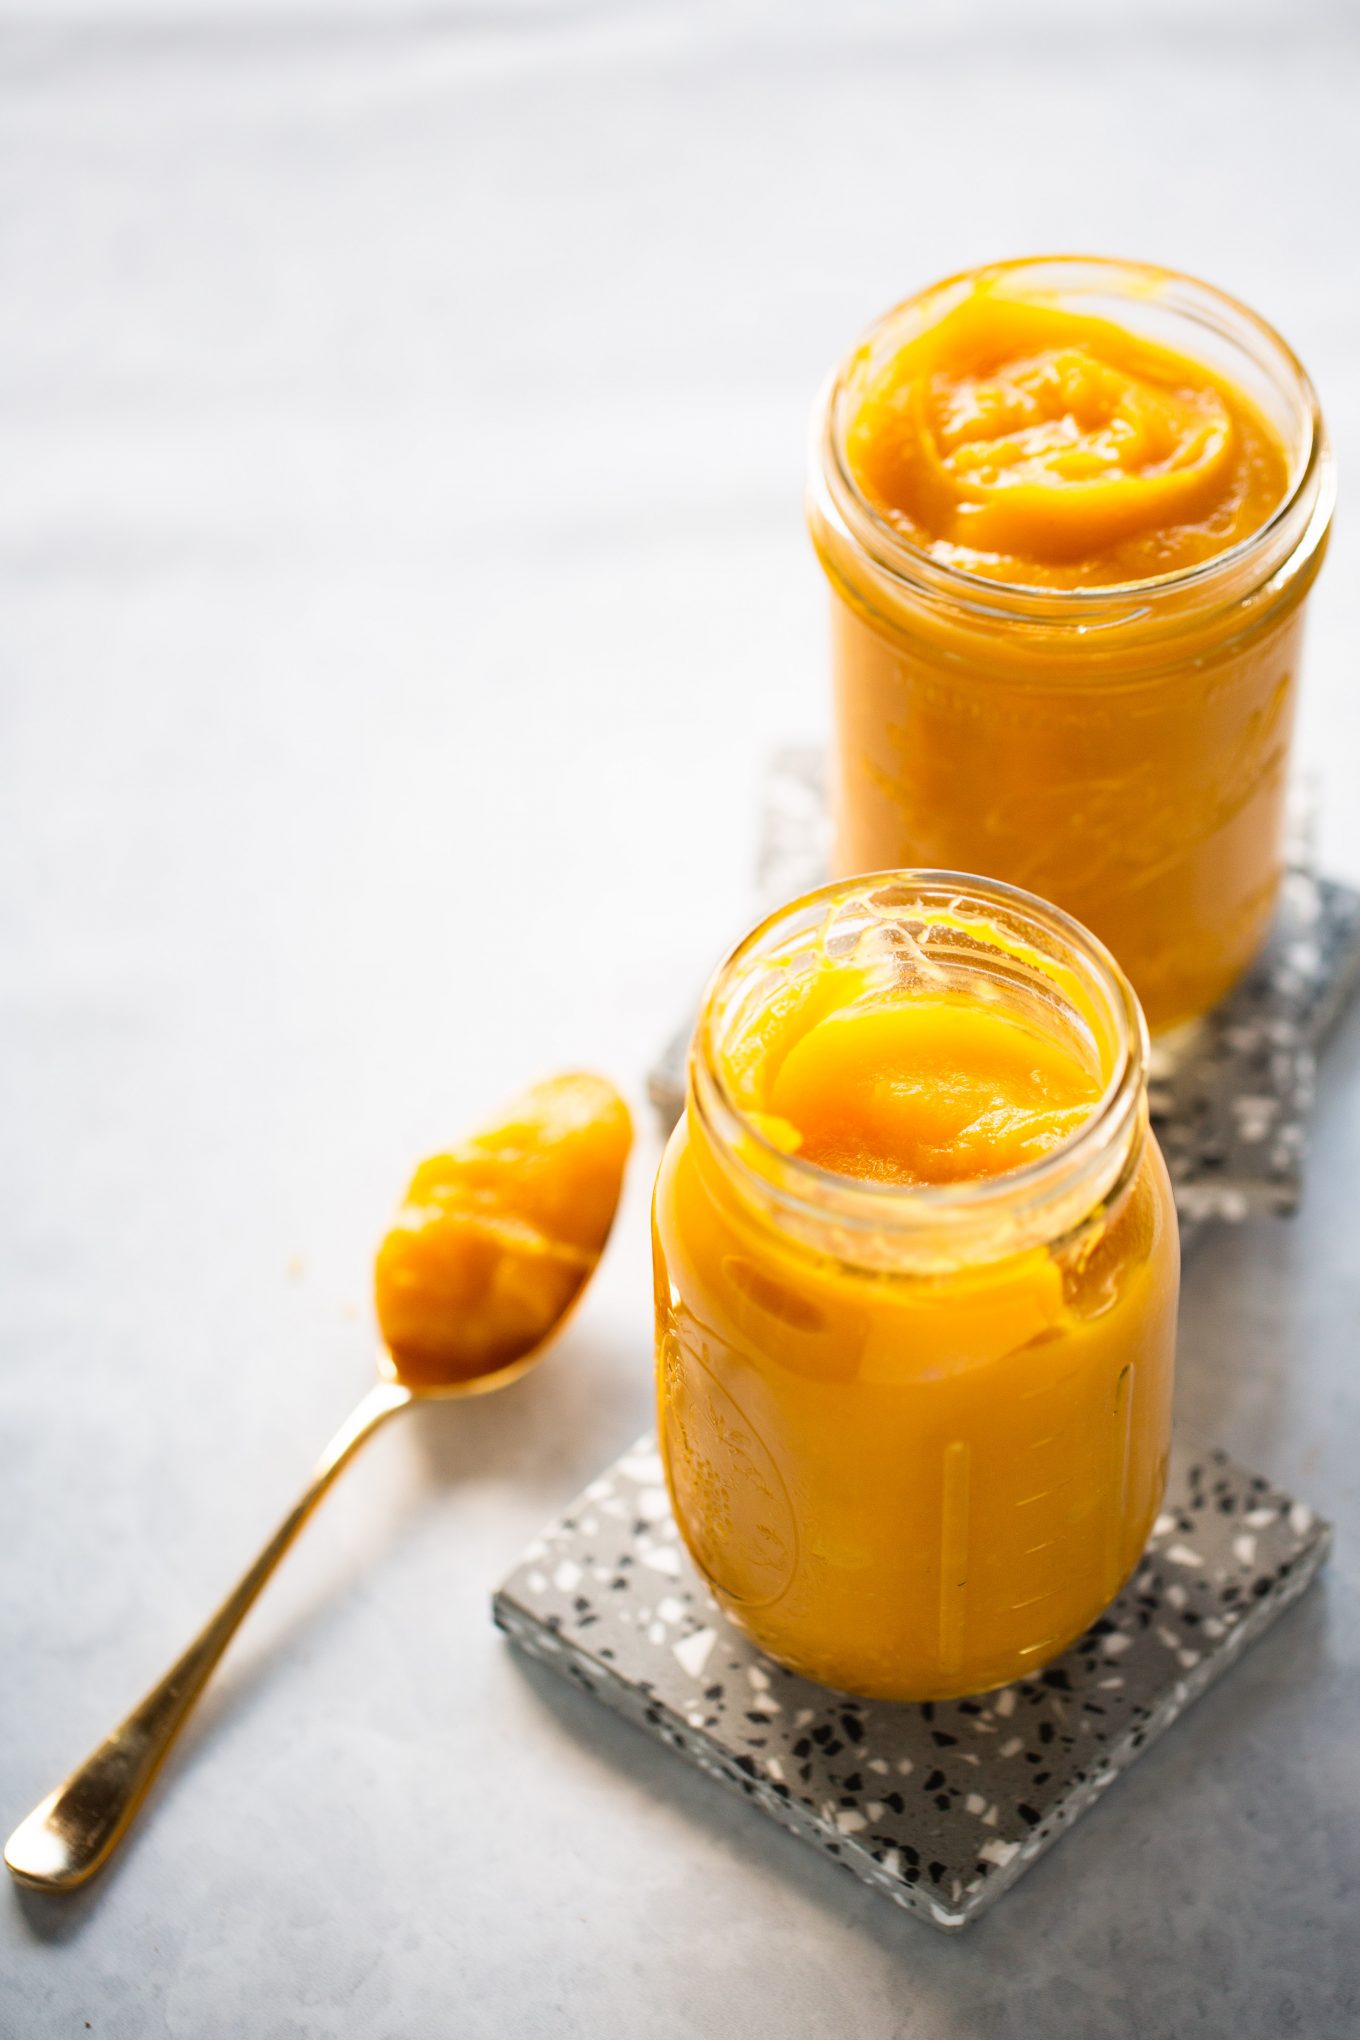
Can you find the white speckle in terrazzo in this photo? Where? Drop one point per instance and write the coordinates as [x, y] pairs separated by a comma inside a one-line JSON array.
[[644, 1468], [693, 1652]]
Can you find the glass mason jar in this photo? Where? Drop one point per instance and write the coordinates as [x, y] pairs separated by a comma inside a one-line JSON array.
[[1121, 750], [916, 1437]]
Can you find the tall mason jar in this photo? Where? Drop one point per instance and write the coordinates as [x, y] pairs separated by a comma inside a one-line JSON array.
[[916, 1436], [1120, 749]]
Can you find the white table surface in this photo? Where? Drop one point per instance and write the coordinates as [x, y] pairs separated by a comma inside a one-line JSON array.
[[403, 580]]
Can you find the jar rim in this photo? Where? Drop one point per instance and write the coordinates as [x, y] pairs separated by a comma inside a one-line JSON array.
[[1297, 522], [1042, 1200]]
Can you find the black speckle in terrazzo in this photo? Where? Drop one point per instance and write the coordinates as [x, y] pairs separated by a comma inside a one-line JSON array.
[[974, 1788]]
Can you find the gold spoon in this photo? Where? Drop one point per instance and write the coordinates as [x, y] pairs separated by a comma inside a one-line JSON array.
[[494, 1244]]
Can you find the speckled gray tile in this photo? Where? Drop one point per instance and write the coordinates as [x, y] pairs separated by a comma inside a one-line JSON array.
[[1231, 1096], [942, 1805]]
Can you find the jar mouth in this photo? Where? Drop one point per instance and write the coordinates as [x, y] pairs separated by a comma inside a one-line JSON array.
[[930, 1225], [1296, 524]]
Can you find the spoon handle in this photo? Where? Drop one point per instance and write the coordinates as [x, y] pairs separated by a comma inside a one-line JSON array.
[[76, 1828]]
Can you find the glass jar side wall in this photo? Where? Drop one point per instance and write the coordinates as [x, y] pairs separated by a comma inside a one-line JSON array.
[[912, 1488]]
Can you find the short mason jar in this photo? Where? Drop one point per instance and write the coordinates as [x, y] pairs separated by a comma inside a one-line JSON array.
[[1122, 750], [916, 1437]]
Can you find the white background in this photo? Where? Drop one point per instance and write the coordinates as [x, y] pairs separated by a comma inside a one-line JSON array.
[[404, 580]]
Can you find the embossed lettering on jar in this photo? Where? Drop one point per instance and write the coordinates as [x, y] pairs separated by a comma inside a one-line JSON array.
[[916, 1275]]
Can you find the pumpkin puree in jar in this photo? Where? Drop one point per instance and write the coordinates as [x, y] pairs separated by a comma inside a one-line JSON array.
[[1057, 450], [928, 1091], [910, 1483], [1070, 510]]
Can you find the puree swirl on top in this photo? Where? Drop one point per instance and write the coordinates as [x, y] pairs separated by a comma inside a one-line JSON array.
[[1051, 448]]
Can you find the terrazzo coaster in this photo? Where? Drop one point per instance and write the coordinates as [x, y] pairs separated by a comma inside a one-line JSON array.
[[1230, 1096], [940, 1805]]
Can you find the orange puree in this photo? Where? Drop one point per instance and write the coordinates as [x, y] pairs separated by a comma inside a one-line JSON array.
[[1058, 450], [498, 1236], [916, 1265], [1069, 511], [927, 1091]]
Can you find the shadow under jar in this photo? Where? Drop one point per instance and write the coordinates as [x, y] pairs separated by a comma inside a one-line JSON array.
[[915, 1421], [1068, 601]]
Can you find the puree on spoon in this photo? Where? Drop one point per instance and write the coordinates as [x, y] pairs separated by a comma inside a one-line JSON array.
[[498, 1235]]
